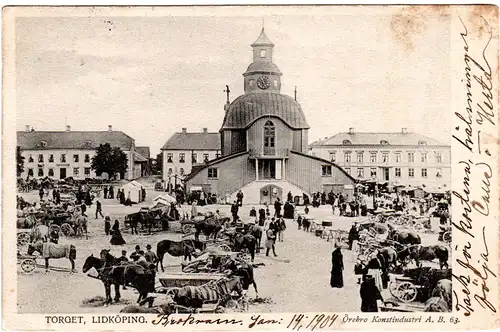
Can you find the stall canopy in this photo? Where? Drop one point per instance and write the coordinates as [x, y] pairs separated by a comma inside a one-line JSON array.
[[133, 190], [163, 200]]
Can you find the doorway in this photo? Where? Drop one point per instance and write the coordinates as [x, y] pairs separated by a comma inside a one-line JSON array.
[[269, 193], [62, 173], [267, 169], [386, 174]]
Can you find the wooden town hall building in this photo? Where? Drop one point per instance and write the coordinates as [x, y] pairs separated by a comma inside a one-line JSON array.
[[264, 143]]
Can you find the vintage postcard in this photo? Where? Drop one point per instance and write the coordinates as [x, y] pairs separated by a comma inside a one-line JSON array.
[[250, 168]]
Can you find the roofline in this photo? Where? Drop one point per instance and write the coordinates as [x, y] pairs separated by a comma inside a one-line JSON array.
[[269, 72], [165, 149], [325, 161], [260, 117], [384, 133], [213, 162], [374, 145]]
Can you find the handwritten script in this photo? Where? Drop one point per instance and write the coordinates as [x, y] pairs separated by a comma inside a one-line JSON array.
[[475, 277]]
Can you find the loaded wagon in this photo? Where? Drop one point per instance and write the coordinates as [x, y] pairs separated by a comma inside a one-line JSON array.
[[417, 284], [27, 263]]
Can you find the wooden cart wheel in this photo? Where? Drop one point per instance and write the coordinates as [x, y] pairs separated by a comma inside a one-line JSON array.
[[224, 247], [447, 237], [406, 291], [187, 228], [28, 265], [393, 287], [66, 229], [23, 239]]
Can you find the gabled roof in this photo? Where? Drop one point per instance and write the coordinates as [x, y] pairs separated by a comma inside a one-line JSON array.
[[193, 141], [85, 140], [262, 40], [250, 107], [360, 138], [143, 151], [138, 158]]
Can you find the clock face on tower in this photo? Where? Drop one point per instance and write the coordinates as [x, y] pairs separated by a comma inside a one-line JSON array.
[[263, 82]]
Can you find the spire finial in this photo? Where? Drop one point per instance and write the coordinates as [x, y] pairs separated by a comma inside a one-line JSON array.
[[262, 23], [295, 93], [227, 92]]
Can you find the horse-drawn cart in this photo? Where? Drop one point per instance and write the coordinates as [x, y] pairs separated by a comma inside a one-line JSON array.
[[179, 280], [23, 237], [28, 263], [417, 283]]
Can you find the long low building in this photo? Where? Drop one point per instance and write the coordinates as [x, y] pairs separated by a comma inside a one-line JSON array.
[[63, 154]]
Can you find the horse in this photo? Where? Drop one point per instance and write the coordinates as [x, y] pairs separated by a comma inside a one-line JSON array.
[[403, 237], [256, 232], [52, 250], [80, 225], [39, 233], [95, 262], [209, 226], [444, 290], [245, 241], [183, 248], [426, 253], [245, 271], [389, 257], [219, 290]]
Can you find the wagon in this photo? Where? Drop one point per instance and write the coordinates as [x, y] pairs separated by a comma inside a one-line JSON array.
[[212, 262], [23, 237], [28, 263], [178, 280], [417, 283]]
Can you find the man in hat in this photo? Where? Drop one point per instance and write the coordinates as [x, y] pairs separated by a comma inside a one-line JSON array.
[[150, 256], [135, 255], [123, 258], [353, 235]]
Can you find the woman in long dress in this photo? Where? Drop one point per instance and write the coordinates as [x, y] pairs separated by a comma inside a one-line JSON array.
[[194, 209], [370, 294], [116, 235], [337, 278]]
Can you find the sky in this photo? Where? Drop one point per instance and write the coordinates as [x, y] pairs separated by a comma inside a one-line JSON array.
[[151, 76]]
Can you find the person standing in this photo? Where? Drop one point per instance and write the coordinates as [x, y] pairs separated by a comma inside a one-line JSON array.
[[234, 211], [135, 255], [337, 278], [116, 235], [194, 209], [84, 209], [98, 210], [239, 198], [277, 208], [370, 294], [353, 235], [41, 193], [111, 192], [107, 225], [289, 197], [281, 229], [123, 258], [253, 212], [270, 240], [150, 256], [105, 192]]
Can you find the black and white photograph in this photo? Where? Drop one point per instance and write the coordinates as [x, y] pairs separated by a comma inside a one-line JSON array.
[[212, 163]]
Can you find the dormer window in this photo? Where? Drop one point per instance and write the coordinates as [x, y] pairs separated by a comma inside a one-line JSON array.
[[88, 143], [251, 83], [263, 53], [422, 143], [43, 144], [275, 84], [384, 142], [346, 142]]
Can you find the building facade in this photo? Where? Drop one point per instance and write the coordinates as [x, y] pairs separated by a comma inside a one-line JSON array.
[[185, 150], [264, 143], [63, 154], [403, 158]]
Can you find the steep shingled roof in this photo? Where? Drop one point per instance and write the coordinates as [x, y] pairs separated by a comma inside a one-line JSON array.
[[262, 40], [360, 138], [85, 140], [143, 151], [247, 108], [193, 141]]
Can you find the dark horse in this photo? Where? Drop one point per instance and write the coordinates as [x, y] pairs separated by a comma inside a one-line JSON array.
[[245, 241], [403, 237], [94, 262], [52, 250], [209, 226], [426, 253], [256, 232], [245, 271], [183, 248]]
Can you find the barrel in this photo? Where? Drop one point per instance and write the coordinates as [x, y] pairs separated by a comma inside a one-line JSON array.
[[319, 232], [326, 224]]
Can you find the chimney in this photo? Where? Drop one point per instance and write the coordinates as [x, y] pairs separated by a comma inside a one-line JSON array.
[[351, 130], [205, 130], [184, 130], [27, 128], [404, 130], [68, 128], [110, 128]]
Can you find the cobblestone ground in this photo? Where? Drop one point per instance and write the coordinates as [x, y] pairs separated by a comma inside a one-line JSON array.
[[296, 280]]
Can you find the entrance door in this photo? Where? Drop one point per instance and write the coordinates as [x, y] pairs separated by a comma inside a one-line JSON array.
[[267, 169], [269, 193], [62, 173], [386, 174]]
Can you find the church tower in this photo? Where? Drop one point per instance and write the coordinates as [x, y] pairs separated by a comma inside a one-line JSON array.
[[262, 75]]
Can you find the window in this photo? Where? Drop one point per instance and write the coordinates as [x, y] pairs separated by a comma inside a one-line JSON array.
[[63, 158], [40, 158], [422, 143], [263, 53], [347, 157], [76, 158], [205, 157], [361, 172], [382, 142], [30, 159], [411, 172], [181, 171], [385, 157], [373, 157], [87, 158], [251, 83], [76, 171], [182, 158], [169, 157], [424, 172], [30, 171], [373, 172], [439, 172], [169, 171], [43, 144], [51, 158], [326, 170], [212, 173], [269, 134], [332, 156], [398, 157], [438, 157], [398, 172], [411, 157], [424, 157], [51, 172], [275, 83], [86, 171], [40, 172], [360, 157], [194, 158], [348, 170], [346, 142]]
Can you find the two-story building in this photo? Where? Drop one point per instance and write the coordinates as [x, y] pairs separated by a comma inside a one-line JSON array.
[[398, 158], [185, 150], [63, 154]]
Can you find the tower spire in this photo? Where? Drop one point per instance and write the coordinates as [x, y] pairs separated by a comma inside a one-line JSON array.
[[227, 93], [295, 93]]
